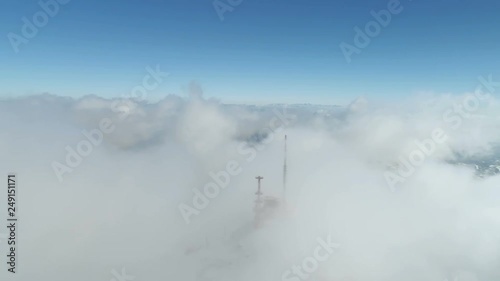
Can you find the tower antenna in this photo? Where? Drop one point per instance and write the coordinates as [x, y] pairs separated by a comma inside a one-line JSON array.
[[258, 202], [284, 175]]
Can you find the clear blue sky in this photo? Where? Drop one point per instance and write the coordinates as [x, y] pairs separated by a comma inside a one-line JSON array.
[[267, 50]]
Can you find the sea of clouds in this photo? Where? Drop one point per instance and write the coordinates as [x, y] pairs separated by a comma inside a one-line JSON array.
[[119, 209]]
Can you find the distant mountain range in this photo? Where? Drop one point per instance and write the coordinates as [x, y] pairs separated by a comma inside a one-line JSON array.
[[484, 165]]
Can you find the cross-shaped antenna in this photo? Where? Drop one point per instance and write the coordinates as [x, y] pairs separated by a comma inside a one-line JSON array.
[[258, 201], [258, 189]]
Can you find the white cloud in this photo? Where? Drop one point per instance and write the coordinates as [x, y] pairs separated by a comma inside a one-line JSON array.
[[118, 209]]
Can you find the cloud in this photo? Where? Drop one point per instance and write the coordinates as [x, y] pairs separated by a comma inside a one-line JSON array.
[[119, 207]]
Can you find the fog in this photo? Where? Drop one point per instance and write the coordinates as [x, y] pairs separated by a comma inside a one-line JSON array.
[[128, 204]]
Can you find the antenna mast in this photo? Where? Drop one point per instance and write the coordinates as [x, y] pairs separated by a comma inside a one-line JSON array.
[[284, 175], [258, 202]]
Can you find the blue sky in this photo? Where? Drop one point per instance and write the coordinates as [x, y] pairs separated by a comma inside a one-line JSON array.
[[263, 50]]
